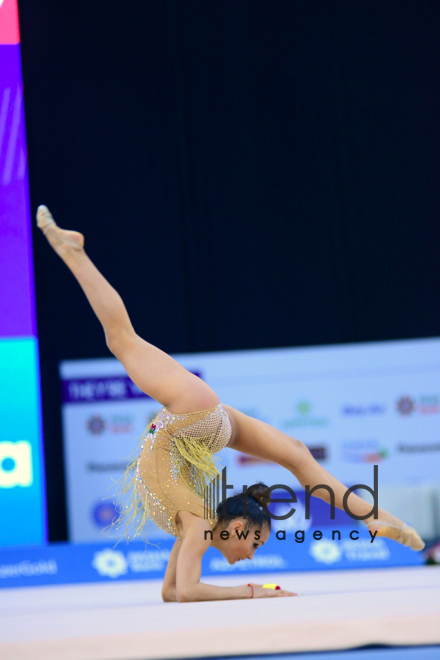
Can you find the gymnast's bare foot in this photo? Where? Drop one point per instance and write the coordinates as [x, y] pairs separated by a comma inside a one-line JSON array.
[[393, 528], [62, 240]]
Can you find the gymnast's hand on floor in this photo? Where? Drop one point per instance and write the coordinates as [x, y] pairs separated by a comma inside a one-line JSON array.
[[261, 592]]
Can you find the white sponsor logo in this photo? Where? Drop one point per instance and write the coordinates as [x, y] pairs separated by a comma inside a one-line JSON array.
[[265, 562], [114, 563], [111, 563], [364, 550], [152, 560], [29, 568], [329, 552], [326, 552], [15, 464]]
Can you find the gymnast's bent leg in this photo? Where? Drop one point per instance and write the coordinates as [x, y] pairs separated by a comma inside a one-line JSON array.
[[262, 440], [155, 372]]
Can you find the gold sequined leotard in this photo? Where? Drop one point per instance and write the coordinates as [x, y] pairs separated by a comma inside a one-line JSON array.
[[175, 464]]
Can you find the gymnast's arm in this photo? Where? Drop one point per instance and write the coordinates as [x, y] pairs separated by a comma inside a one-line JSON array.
[[189, 569], [169, 581], [182, 577]]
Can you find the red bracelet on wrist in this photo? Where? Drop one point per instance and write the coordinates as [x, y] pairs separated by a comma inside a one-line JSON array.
[[249, 585]]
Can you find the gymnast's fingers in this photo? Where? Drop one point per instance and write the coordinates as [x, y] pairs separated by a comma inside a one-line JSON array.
[[283, 592]]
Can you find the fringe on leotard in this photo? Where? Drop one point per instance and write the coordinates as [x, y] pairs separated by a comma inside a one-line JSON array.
[[131, 508], [203, 465]]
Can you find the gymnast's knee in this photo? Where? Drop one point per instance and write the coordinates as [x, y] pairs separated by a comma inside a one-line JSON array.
[[301, 452], [116, 341], [112, 343]]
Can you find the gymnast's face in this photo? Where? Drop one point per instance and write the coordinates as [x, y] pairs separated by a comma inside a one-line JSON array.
[[242, 542]]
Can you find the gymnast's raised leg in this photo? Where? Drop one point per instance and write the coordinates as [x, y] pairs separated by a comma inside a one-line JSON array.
[[156, 373]]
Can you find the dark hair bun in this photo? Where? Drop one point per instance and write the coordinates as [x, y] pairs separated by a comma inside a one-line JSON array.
[[259, 492], [257, 514]]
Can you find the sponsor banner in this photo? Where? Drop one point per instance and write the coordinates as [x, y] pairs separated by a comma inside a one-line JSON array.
[[76, 563]]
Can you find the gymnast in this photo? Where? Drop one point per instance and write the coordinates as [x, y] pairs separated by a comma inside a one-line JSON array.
[[176, 458]]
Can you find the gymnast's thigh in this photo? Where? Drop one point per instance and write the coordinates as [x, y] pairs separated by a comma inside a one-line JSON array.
[[163, 378]]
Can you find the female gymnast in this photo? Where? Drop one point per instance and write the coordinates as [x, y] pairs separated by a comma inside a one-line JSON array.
[[175, 461]]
